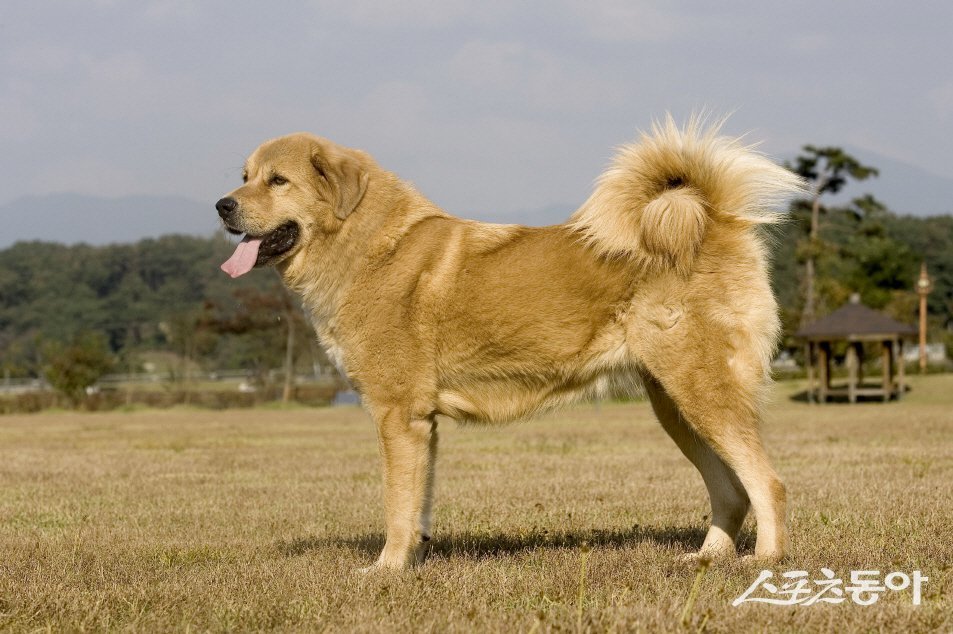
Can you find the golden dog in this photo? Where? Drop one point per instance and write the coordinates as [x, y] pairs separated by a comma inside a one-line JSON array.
[[658, 282]]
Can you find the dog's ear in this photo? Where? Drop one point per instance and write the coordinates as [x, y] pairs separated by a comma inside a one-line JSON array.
[[346, 177]]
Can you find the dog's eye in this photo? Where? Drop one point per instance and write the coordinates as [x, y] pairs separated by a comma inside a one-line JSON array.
[[279, 180], [244, 177]]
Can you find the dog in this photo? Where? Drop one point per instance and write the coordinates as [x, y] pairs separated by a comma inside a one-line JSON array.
[[657, 282]]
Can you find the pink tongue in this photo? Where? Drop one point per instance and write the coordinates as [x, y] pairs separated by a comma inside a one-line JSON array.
[[243, 260]]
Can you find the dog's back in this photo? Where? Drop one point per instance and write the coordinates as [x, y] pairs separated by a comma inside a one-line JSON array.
[[661, 268]]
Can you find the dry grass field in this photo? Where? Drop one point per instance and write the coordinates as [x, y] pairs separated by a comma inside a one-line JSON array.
[[191, 520]]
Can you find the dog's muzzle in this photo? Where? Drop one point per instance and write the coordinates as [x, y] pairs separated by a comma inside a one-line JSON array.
[[226, 207]]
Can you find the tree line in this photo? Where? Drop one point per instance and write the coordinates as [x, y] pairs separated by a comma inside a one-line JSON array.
[[71, 313], [826, 253]]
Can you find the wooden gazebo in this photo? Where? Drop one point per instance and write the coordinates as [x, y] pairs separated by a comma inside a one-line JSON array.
[[856, 324]]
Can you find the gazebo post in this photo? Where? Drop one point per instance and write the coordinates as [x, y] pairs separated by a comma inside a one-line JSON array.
[[901, 383], [823, 371], [860, 364], [809, 362], [852, 371], [886, 357]]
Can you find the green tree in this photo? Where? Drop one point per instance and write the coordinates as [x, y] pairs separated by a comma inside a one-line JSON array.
[[132, 293], [867, 250], [828, 168], [72, 368], [264, 327]]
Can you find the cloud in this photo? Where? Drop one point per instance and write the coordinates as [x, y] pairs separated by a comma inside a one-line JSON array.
[[20, 121], [629, 20], [62, 84], [530, 78], [41, 58], [492, 105], [86, 174], [171, 10], [810, 43], [414, 15], [941, 99], [120, 71]]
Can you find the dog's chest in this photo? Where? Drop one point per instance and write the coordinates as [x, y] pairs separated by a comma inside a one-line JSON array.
[[332, 346]]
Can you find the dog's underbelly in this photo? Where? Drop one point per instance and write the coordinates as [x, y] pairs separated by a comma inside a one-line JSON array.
[[504, 400], [514, 391]]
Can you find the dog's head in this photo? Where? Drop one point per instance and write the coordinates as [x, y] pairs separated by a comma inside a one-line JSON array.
[[295, 189]]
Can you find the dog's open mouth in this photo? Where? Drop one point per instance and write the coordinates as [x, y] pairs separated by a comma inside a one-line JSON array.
[[255, 251]]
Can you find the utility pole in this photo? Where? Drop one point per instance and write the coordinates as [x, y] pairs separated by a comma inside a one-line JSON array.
[[924, 286]]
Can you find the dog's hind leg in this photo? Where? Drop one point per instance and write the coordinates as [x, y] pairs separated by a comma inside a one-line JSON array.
[[727, 421], [408, 451], [729, 502]]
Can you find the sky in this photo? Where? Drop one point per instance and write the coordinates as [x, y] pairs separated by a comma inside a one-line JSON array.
[[489, 108]]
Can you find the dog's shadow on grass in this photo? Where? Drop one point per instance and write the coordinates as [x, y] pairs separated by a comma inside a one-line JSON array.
[[496, 544]]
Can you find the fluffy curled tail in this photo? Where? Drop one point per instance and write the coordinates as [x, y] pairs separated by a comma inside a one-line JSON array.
[[657, 200]]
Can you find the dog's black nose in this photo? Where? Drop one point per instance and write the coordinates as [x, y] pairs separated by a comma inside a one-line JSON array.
[[226, 206]]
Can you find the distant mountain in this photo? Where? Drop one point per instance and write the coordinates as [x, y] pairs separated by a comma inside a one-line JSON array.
[[904, 188], [74, 218]]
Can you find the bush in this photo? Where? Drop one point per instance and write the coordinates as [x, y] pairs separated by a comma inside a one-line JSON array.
[[74, 368], [315, 395]]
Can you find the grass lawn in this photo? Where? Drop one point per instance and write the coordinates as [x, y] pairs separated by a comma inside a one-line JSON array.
[[257, 520]]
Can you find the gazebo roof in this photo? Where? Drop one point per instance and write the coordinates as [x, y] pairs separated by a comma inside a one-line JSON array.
[[855, 320]]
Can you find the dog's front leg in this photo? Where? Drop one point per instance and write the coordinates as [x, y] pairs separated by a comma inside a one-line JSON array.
[[408, 451]]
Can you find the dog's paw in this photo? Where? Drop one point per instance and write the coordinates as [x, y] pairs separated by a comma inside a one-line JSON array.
[[688, 558], [760, 560], [706, 557], [378, 568], [694, 559], [401, 558]]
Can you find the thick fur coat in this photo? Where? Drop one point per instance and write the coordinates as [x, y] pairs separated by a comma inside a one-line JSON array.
[[658, 282]]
